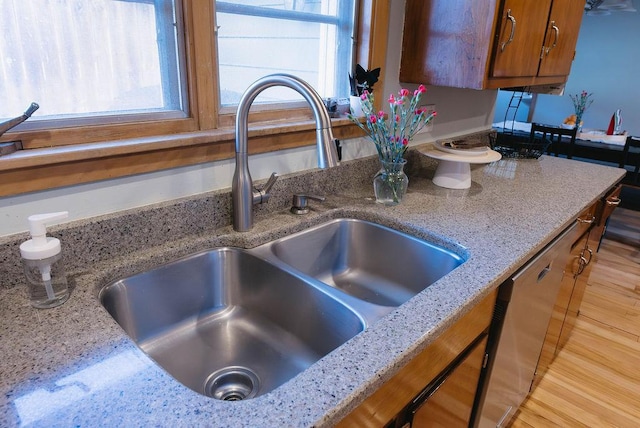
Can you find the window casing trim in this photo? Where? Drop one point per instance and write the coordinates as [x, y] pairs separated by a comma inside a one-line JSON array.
[[46, 168]]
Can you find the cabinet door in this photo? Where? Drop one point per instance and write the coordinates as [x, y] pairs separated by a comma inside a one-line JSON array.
[[562, 35], [450, 404], [603, 212], [521, 31], [446, 42], [582, 267], [552, 345]]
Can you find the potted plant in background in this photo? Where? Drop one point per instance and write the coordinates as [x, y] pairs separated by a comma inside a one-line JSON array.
[[391, 135], [362, 80]]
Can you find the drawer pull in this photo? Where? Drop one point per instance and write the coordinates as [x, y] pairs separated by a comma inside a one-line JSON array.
[[586, 221], [614, 202], [544, 272]]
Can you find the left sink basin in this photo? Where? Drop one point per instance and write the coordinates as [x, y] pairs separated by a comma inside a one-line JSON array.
[[228, 324]]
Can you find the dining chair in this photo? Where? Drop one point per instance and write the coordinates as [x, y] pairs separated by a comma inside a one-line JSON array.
[[631, 149], [554, 135]]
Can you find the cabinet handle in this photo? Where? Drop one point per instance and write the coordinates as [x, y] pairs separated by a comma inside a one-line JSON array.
[[513, 30], [614, 202], [586, 221], [556, 32], [590, 252], [584, 262], [581, 266]]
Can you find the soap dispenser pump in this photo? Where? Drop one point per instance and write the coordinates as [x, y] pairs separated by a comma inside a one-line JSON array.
[[41, 259]]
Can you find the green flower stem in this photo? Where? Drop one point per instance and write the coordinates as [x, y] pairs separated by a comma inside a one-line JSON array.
[[392, 133]]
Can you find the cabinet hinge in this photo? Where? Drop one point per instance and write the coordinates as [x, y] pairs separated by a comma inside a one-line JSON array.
[[486, 360]]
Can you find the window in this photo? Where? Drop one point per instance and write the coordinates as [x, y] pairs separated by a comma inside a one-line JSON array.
[[129, 63], [133, 86], [87, 62], [312, 39]]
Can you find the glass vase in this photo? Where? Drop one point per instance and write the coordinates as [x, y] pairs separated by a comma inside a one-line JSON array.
[[390, 183], [579, 122]]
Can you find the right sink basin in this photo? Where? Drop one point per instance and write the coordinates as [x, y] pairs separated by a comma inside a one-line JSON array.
[[365, 260]]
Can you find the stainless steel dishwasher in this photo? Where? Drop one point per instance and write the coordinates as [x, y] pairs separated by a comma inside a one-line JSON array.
[[523, 310]]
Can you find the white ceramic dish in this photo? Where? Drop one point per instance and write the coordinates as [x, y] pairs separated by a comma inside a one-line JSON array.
[[454, 170], [474, 151]]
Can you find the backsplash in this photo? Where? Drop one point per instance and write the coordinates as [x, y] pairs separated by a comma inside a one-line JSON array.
[[98, 239]]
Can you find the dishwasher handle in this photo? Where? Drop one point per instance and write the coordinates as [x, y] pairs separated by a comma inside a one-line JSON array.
[[557, 251], [544, 272]]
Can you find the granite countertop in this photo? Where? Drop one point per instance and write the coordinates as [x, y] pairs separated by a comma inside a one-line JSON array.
[[73, 365]]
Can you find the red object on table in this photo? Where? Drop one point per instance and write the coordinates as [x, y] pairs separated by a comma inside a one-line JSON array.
[[612, 125]]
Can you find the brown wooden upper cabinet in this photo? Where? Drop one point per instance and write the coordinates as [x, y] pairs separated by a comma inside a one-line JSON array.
[[483, 44]]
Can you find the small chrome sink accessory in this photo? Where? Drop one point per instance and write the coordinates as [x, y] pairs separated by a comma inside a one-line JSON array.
[[232, 384], [300, 204]]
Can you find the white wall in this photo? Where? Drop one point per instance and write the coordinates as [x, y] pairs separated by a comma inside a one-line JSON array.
[[607, 63], [460, 111]]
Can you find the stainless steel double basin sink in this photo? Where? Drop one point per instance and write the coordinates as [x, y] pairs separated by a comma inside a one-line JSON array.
[[234, 324]]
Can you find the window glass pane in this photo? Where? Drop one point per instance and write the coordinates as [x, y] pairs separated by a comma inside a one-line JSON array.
[[79, 58], [311, 39]]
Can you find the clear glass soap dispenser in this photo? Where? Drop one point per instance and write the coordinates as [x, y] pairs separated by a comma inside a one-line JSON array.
[[42, 262]]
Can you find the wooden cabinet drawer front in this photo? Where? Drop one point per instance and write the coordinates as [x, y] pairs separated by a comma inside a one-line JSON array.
[[604, 209], [609, 203], [586, 220]]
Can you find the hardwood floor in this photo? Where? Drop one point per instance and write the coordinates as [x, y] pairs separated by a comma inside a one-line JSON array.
[[595, 380]]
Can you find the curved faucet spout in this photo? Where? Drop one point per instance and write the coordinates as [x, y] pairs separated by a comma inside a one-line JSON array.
[[243, 194]]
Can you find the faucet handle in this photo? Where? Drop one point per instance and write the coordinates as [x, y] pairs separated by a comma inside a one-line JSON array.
[[262, 195], [301, 202], [270, 182], [32, 108]]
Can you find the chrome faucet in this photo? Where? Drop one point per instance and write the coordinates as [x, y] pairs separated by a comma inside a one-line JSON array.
[[242, 192], [11, 123]]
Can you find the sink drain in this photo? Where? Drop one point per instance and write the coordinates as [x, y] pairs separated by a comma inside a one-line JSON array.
[[232, 384]]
